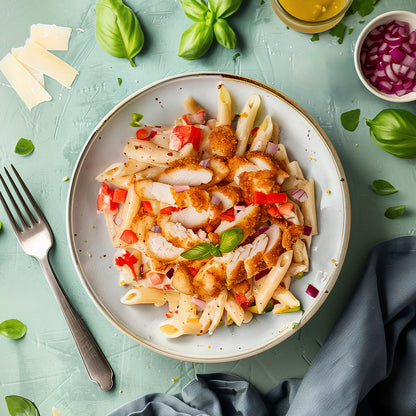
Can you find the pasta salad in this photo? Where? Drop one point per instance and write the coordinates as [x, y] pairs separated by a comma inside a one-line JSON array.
[[209, 217]]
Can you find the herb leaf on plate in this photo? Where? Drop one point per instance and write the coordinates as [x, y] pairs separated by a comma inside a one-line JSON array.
[[350, 119], [382, 187], [19, 406], [230, 239], [198, 252], [394, 212], [13, 329], [118, 30], [24, 147], [136, 117]]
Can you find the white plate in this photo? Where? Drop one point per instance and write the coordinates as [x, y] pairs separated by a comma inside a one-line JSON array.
[[92, 252]]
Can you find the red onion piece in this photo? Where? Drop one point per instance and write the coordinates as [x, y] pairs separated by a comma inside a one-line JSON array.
[[299, 194], [307, 230], [170, 273], [262, 229], [272, 148], [180, 188], [156, 229], [215, 200], [201, 234], [205, 163], [117, 220], [199, 302], [312, 291]]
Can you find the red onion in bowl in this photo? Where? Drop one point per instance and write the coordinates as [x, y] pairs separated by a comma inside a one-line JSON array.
[[199, 302], [388, 58], [180, 188]]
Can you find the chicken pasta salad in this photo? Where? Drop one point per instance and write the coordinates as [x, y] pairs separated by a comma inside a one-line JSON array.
[[209, 217]]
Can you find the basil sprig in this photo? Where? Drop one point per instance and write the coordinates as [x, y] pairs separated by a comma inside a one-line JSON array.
[[13, 329], [382, 187], [19, 406], [209, 22], [118, 30], [229, 240], [24, 147]]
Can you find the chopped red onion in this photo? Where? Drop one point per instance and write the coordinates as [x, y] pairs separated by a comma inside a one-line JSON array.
[[388, 58], [272, 148], [262, 229], [215, 200], [156, 229], [307, 230], [239, 208], [170, 272], [117, 220], [299, 194], [205, 163], [180, 188], [199, 302], [312, 291], [201, 234]]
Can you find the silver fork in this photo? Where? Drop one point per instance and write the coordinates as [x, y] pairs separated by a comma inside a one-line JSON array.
[[35, 236]]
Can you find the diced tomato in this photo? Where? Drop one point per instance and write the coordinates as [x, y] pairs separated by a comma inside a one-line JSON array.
[[209, 228], [228, 215], [193, 271], [182, 135], [247, 201], [259, 198], [126, 259], [195, 118], [169, 210], [169, 315], [273, 211], [276, 198], [119, 196], [167, 287], [155, 278], [145, 134], [129, 237], [105, 201], [241, 300], [286, 209], [147, 206]]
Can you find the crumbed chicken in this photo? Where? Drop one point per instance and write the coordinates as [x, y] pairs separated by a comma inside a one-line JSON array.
[[246, 220], [191, 218], [142, 223], [210, 279], [264, 161], [254, 262], [227, 194], [223, 141], [238, 165], [236, 271], [220, 170], [259, 181], [177, 234], [161, 249], [186, 171], [290, 234], [182, 280], [193, 197], [273, 248], [148, 189]]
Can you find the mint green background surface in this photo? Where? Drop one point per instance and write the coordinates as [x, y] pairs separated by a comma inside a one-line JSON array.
[[45, 366]]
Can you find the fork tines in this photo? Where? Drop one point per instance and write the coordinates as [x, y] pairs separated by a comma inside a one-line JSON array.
[[25, 222]]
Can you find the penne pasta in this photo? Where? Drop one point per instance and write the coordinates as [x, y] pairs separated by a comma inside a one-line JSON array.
[[263, 135], [224, 116]]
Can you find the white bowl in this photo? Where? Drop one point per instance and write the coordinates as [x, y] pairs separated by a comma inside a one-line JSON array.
[[401, 15]]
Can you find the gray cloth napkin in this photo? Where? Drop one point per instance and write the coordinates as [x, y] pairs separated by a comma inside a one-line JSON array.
[[366, 367]]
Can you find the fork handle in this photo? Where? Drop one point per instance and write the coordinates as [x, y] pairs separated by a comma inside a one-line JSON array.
[[97, 366]]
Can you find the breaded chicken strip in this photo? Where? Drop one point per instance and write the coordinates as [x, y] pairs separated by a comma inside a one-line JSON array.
[[223, 141]]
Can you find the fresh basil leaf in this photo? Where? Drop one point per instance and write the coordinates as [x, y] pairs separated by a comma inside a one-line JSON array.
[[224, 8], [195, 9], [315, 37], [381, 187], [350, 119], [13, 329], [120, 81], [394, 131], [118, 30], [224, 34], [198, 252], [269, 307], [196, 40], [230, 239], [19, 406], [215, 251], [339, 32], [24, 147], [394, 212], [363, 7], [136, 117]]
